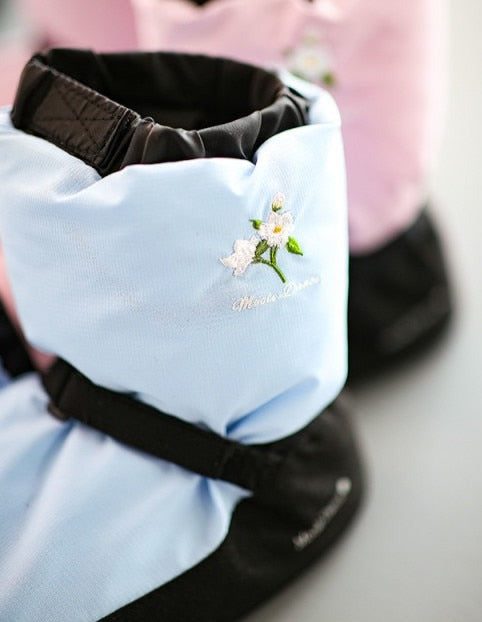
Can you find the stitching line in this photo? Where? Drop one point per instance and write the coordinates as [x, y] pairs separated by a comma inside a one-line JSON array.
[[62, 92], [70, 106]]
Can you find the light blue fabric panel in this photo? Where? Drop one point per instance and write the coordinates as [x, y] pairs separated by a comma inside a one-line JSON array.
[[87, 525], [123, 277]]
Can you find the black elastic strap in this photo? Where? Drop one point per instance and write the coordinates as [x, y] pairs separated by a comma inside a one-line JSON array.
[[13, 351], [112, 110], [73, 395]]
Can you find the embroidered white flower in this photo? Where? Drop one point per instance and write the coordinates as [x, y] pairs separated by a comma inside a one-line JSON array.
[[311, 60], [277, 230], [244, 251], [277, 202], [273, 235]]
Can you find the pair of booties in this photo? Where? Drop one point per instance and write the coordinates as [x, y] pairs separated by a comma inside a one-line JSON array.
[[186, 454], [384, 66]]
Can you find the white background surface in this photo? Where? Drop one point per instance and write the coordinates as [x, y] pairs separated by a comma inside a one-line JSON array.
[[415, 552]]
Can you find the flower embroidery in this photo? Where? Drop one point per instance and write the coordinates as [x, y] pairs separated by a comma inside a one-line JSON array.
[[273, 235], [244, 251], [311, 60], [277, 230]]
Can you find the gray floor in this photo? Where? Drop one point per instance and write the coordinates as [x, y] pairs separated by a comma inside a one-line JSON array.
[[415, 553]]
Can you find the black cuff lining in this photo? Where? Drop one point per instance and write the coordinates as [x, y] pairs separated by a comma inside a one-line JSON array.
[[112, 110]]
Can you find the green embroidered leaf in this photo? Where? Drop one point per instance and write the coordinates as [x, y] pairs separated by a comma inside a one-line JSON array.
[[256, 223], [328, 79], [293, 247], [298, 74], [261, 248]]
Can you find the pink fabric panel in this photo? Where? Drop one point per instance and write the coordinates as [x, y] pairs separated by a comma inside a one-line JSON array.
[[104, 25], [386, 59], [13, 57]]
